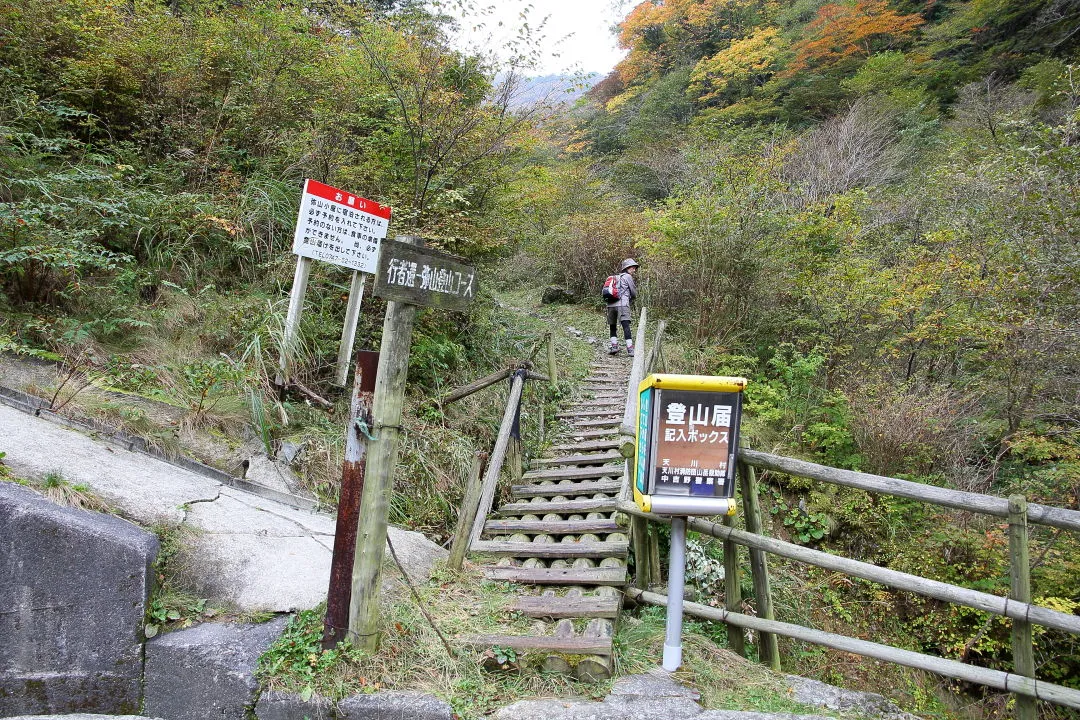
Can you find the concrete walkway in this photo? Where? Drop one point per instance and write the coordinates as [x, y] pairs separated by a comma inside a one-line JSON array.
[[253, 552]]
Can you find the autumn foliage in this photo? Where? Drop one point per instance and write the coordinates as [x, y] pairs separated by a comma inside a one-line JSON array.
[[842, 31]]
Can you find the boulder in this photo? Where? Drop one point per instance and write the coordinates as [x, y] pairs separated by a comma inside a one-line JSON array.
[[72, 607], [207, 671], [556, 294], [814, 692]]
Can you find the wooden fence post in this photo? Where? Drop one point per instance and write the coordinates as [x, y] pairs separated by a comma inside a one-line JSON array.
[[553, 368], [654, 353], [639, 532], [498, 455], [769, 652], [513, 459], [654, 555], [379, 484], [733, 590], [1020, 576], [467, 515]]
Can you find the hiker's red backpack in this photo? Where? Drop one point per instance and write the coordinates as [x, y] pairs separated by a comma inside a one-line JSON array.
[[610, 292]]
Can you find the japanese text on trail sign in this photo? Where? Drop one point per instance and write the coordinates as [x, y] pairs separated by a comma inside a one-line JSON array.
[[687, 440], [424, 276], [693, 444], [340, 228]]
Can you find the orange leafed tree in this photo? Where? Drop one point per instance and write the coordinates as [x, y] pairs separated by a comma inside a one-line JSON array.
[[839, 32], [662, 33]]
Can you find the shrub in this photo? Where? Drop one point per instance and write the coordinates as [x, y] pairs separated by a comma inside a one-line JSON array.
[[913, 429]]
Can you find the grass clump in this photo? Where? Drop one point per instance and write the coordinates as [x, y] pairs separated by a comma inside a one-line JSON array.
[[172, 606], [725, 680], [411, 657], [56, 488]]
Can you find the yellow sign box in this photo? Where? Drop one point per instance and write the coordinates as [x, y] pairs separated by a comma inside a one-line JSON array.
[[687, 444]]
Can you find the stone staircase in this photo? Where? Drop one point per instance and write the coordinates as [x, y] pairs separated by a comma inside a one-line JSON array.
[[558, 540]]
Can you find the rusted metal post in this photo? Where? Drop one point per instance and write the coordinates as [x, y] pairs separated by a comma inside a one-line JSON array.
[[339, 595]]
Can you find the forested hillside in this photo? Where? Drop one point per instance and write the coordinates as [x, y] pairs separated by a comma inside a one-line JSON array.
[[871, 209]]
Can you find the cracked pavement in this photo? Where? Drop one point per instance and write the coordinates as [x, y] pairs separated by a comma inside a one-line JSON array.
[[258, 554]]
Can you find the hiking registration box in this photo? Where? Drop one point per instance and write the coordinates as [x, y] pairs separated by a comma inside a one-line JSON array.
[[687, 444]]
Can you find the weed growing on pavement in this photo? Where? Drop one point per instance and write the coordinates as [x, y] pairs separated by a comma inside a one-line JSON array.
[[56, 487]]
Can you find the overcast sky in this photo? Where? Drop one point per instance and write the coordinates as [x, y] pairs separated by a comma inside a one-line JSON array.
[[576, 36]]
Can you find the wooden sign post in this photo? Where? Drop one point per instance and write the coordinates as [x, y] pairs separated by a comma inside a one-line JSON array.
[[408, 275]]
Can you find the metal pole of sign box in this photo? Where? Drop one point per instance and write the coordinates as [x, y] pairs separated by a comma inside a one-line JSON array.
[[714, 474], [676, 585]]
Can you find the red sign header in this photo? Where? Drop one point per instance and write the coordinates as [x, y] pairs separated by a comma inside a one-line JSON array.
[[356, 202]]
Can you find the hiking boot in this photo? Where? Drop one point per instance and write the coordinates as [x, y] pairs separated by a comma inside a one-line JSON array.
[[614, 349], [630, 351]]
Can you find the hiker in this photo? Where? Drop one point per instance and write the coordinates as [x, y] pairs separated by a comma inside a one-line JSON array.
[[618, 309]]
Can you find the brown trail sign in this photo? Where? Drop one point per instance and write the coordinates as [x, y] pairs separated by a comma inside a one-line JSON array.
[[424, 276]]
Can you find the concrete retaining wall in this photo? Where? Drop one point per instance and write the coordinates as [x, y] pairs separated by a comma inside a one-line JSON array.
[[73, 591]]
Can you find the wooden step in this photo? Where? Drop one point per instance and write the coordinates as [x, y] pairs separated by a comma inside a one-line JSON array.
[[551, 527], [562, 507], [608, 397], [591, 434], [589, 405], [564, 550], [611, 576], [598, 423], [577, 459], [575, 473], [566, 607], [611, 391], [616, 410], [611, 444], [567, 490], [549, 643]]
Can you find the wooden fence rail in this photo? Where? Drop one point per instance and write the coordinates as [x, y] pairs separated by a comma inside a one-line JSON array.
[[986, 602], [1009, 682], [956, 499]]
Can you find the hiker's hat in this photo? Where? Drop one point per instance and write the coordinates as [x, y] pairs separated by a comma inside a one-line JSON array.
[[627, 263]]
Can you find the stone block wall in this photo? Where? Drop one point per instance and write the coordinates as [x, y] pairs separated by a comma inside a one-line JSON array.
[[73, 592]]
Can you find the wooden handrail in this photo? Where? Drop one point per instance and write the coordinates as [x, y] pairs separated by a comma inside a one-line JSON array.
[[957, 499], [1009, 682], [938, 590]]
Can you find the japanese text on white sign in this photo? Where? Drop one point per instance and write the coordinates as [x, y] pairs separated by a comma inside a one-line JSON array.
[[340, 228]]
